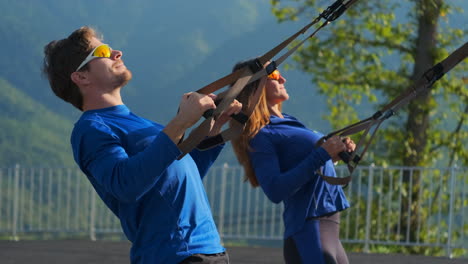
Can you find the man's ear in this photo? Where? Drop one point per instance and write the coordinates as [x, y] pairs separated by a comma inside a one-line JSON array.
[[79, 78]]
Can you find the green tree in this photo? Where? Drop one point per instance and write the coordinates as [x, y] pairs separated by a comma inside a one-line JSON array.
[[369, 56]]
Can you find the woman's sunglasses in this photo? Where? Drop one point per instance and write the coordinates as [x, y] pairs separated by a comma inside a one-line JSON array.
[[275, 75], [102, 51]]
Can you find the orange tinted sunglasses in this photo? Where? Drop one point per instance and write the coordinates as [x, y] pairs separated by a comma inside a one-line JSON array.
[[275, 75]]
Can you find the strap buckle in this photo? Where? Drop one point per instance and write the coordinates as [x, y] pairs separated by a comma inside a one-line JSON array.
[[434, 73], [271, 67], [334, 11], [256, 66]]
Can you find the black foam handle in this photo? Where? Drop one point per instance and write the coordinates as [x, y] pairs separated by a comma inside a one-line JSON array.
[[208, 113], [346, 157], [240, 117], [210, 142]]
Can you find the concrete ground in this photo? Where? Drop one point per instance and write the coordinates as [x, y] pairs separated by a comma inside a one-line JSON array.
[[104, 252]]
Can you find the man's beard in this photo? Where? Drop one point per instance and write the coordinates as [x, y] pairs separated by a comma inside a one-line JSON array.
[[122, 79]]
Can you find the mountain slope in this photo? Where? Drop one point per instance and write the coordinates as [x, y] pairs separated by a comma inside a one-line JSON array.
[[31, 135]]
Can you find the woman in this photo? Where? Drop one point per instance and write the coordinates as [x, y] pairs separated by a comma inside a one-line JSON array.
[[280, 155]]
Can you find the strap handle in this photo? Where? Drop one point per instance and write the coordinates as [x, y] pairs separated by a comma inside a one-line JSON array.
[[236, 128], [243, 76]]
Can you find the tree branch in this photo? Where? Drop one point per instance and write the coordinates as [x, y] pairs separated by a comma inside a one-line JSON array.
[[454, 133], [375, 43]]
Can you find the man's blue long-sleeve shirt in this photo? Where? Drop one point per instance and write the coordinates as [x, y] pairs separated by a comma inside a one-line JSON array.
[[160, 201]]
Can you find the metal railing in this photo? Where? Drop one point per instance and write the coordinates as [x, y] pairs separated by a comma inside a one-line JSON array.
[[402, 206]]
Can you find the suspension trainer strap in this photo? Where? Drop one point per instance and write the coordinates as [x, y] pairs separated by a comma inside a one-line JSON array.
[[247, 74], [235, 128], [240, 79], [201, 132], [423, 84]]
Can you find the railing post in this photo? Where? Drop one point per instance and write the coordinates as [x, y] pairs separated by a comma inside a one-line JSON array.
[[15, 203], [450, 217], [370, 184], [222, 199], [92, 216]]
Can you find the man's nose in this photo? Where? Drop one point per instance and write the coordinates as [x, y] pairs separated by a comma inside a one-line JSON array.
[[116, 54]]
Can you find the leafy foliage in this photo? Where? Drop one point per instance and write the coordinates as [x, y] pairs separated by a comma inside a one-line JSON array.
[[368, 56]]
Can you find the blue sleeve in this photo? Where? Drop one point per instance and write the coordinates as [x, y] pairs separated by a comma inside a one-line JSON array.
[[100, 154], [204, 159], [278, 184]]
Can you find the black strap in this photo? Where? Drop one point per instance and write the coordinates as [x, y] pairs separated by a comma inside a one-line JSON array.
[[248, 74], [424, 83], [235, 128]]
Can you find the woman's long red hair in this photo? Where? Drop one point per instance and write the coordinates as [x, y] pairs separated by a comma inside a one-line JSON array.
[[258, 119]]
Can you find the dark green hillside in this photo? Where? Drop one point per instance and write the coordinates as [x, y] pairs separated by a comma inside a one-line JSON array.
[[31, 135]]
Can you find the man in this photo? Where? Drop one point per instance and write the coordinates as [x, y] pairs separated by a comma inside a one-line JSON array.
[[131, 161]]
